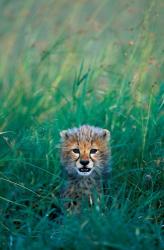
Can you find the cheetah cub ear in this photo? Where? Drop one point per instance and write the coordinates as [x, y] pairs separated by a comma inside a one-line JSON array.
[[64, 134], [106, 134]]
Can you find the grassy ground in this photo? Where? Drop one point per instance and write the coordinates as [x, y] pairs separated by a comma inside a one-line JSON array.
[[66, 63]]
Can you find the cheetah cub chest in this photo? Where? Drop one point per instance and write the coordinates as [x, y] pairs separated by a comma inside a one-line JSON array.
[[85, 157]]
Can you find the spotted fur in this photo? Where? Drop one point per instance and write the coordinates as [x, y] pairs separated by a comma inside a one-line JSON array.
[[85, 157]]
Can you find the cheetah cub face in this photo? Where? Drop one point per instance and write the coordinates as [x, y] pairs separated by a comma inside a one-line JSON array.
[[84, 150]]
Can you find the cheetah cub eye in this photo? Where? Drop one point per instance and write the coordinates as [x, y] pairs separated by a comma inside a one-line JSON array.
[[76, 151], [93, 151]]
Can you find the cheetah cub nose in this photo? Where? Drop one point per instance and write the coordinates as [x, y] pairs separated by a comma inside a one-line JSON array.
[[84, 163]]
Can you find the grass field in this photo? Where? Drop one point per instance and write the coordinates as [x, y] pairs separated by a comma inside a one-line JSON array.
[[67, 63]]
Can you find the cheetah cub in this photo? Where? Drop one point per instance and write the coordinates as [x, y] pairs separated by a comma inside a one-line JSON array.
[[85, 157]]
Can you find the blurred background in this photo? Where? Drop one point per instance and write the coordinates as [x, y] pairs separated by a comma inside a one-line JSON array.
[[121, 40]]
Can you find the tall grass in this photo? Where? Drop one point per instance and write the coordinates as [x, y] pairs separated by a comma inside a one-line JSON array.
[[69, 63]]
